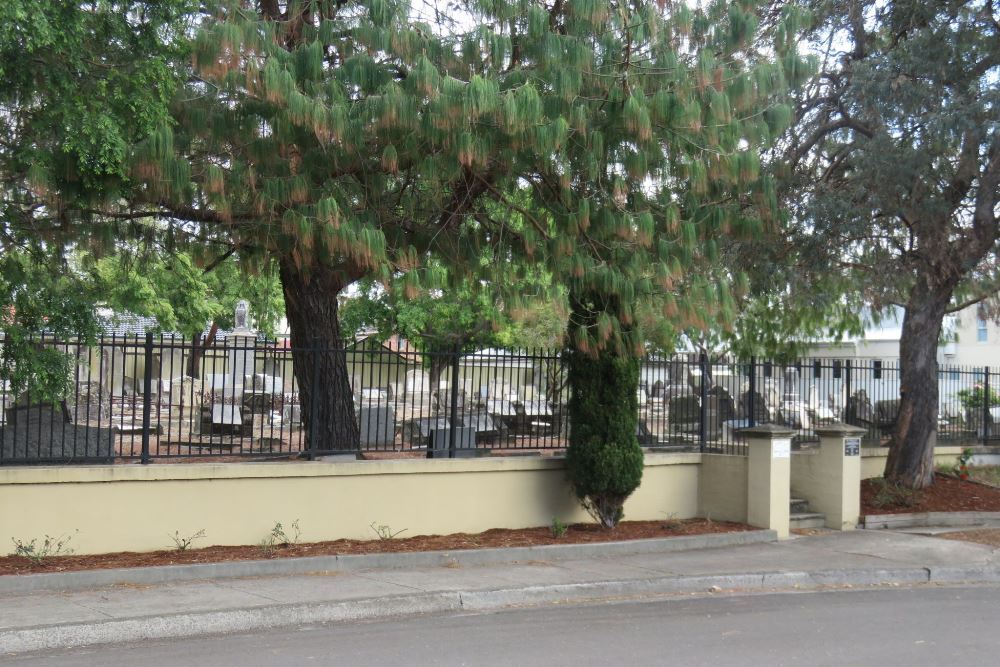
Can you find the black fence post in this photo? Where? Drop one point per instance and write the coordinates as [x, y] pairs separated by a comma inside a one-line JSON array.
[[751, 418], [847, 386], [703, 417], [453, 413], [986, 404], [311, 446], [147, 395]]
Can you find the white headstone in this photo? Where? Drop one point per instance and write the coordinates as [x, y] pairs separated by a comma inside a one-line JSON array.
[[417, 382]]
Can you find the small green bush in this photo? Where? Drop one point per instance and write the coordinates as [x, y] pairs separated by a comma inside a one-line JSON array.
[[603, 459], [558, 528]]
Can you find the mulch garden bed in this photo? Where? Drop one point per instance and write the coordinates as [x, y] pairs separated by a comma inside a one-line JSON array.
[[575, 534], [947, 494]]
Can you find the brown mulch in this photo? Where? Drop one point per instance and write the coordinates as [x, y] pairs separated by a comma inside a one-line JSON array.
[[988, 536], [498, 537], [947, 494]]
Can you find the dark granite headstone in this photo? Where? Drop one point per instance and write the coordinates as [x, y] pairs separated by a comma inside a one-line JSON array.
[[417, 432], [760, 410], [43, 434], [440, 443], [886, 413], [859, 410], [684, 409]]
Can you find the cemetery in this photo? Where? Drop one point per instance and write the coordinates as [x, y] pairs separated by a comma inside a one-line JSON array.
[[244, 402]]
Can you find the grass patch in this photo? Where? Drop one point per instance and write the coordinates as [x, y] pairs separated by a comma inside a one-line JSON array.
[[888, 494], [985, 474]]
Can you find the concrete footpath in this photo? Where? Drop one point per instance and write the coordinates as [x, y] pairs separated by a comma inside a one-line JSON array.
[[49, 618]]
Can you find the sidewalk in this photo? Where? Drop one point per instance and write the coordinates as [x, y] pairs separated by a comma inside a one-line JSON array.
[[122, 613]]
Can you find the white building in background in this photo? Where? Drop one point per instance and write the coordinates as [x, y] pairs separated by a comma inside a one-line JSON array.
[[969, 340]]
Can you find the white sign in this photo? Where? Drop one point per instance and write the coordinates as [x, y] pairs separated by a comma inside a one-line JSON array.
[[782, 448]]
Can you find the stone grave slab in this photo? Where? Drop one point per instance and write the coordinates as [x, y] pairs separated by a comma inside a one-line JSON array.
[[377, 425]]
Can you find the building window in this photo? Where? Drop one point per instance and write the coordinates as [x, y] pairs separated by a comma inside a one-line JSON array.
[[768, 369], [981, 330], [817, 369], [837, 368], [877, 370]]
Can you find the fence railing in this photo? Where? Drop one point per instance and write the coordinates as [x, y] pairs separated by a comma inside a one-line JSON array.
[[162, 398]]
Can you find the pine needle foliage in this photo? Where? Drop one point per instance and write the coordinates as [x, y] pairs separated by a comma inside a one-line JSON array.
[[614, 141]]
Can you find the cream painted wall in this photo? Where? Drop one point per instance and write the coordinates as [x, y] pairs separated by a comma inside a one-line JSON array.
[[135, 508], [873, 459], [722, 491]]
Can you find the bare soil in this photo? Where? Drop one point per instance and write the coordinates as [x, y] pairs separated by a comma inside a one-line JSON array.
[[947, 494], [575, 534]]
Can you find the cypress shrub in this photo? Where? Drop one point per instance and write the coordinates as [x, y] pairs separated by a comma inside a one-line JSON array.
[[604, 458]]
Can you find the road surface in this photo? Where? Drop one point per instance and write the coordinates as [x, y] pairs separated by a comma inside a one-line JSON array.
[[885, 627]]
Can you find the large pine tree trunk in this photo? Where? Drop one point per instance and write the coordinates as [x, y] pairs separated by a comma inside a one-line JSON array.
[[911, 454], [319, 356]]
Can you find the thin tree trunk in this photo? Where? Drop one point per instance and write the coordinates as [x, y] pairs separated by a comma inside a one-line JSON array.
[[319, 355], [911, 453]]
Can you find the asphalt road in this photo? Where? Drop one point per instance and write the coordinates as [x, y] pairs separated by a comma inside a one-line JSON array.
[[885, 627]]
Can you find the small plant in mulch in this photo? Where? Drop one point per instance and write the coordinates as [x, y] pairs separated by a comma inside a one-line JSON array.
[[890, 494], [182, 543], [385, 532], [38, 552], [279, 538], [558, 528]]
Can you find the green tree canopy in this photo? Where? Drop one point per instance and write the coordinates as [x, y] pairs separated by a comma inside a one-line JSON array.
[[894, 171]]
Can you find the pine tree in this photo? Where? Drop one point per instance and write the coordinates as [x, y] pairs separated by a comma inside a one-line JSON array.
[[616, 142]]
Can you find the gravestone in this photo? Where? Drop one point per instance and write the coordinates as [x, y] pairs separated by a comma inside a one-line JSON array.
[[443, 399], [222, 419], [760, 411], [886, 413], [790, 390], [440, 443], [264, 383], [658, 389], [89, 402], [684, 411], [291, 414], [417, 382], [486, 427], [713, 417], [724, 401], [44, 434], [417, 432], [859, 410], [377, 425]]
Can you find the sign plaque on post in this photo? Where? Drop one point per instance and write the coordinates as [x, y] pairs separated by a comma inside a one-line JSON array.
[[852, 446], [782, 448]]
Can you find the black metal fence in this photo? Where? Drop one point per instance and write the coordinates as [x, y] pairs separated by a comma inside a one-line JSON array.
[[162, 398]]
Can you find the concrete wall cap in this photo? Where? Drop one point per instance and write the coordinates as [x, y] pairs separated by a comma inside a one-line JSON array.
[[766, 431], [838, 429]]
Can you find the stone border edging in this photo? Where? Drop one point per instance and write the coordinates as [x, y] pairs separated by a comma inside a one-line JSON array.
[[257, 618], [84, 579], [925, 519]]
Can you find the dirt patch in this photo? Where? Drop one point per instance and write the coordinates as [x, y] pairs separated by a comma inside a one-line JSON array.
[[987, 536], [947, 494], [575, 534]]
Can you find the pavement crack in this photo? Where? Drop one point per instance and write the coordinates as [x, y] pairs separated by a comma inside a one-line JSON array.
[[93, 609], [242, 590], [393, 583]]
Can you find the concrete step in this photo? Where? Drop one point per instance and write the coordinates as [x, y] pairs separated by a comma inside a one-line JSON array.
[[799, 505], [806, 520]]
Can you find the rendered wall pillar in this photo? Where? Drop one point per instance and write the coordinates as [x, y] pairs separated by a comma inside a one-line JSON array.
[[837, 492], [769, 476]]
